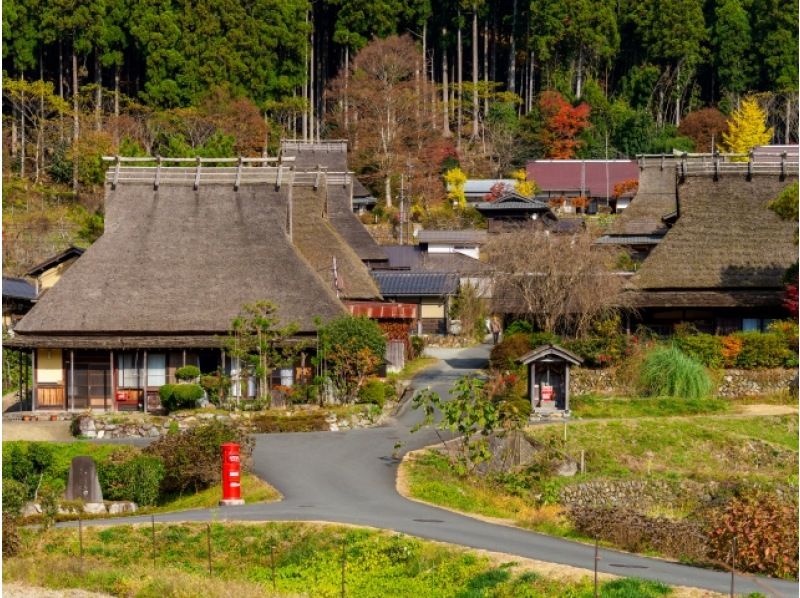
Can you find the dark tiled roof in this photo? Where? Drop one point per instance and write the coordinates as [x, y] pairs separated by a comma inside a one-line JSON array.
[[452, 262], [67, 254], [513, 201], [629, 239], [452, 236], [395, 284], [582, 174], [17, 288], [407, 257]]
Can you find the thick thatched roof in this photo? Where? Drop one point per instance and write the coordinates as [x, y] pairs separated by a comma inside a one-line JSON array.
[[319, 243], [654, 199], [725, 239], [333, 158], [178, 262]]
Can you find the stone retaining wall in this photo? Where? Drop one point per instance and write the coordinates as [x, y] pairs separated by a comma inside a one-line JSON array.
[[732, 383], [140, 425]]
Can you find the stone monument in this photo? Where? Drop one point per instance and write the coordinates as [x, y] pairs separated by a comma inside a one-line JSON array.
[[83, 482]]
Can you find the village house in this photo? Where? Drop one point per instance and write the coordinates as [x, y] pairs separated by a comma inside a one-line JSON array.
[[183, 250], [18, 298], [723, 254], [49, 272]]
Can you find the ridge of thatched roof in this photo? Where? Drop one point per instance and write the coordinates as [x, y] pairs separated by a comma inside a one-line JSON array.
[[726, 237], [178, 261], [654, 199], [320, 243], [333, 158]]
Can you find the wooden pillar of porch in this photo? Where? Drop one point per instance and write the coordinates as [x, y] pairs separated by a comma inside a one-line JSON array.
[[566, 388], [33, 378], [144, 383], [71, 380]]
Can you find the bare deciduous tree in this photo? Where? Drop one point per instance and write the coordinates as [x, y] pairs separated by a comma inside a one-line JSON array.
[[561, 283]]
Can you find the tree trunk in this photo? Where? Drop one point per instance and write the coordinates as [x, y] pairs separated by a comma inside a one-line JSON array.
[[22, 152], [475, 104], [445, 90], [579, 78], [60, 89], [512, 53], [387, 190], [116, 104], [311, 104], [75, 117], [346, 79], [788, 122], [460, 71], [486, 67], [305, 90], [14, 133], [531, 65], [434, 97], [98, 98], [678, 95], [39, 161]]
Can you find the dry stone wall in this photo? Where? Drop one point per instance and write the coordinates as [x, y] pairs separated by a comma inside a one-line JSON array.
[[731, 383]]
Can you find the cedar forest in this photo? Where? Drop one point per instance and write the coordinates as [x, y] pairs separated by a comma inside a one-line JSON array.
[[416, 87]]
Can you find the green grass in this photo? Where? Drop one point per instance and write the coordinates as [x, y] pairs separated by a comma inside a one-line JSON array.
[[254, 490], [307, 559], [592, 406], [758, 450]]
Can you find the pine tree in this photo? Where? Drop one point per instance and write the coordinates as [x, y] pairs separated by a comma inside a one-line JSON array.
[[747, 128], [732, 42]]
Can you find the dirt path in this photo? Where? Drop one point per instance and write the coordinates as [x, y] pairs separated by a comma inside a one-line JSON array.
[[764, 410], [42, 430]]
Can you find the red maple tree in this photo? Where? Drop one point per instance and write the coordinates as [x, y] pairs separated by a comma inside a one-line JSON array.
[[563, 123], [496, 191]]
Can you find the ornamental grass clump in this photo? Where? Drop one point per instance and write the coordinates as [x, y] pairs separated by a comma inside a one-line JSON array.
[[667, 372]]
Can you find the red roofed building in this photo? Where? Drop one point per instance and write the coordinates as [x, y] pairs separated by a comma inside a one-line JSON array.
[[592, 179]]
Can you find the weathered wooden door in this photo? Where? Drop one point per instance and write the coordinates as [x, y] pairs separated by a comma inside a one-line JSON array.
[[92, 380]]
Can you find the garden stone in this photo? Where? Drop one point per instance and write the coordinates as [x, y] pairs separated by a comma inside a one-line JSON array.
[[333, 427], [567, 469], [31, 508], [115, 508], [86, 425], [94, 508], [101, 434], [153, 432]]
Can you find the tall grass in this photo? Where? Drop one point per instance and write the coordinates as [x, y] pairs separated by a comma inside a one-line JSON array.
[[667, 372]]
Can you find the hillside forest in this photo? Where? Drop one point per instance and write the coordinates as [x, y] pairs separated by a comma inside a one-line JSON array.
[[416, 87]]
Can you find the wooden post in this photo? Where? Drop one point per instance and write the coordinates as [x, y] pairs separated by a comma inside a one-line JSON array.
[[116, 173], [80, 541], [157, 182], [208, 541], [184, 358], [733, 567], [272, 565], [144, 383], [197, 175], [110, 382], [153, 536], [596, 559], [71, 380], [239, 175], [566, 388], [33, 379], [344, 565]]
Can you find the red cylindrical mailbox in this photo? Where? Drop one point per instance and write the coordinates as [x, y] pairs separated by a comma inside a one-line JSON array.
[[231, 475]]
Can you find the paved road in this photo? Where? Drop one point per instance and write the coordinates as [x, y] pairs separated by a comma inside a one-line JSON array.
[[349, 477]]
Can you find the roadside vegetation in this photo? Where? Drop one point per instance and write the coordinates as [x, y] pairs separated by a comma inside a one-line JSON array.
[[281, 559], [674, 486], [178, 471]]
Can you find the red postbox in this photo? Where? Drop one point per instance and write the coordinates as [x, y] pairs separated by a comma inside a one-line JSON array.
[[231, 475], [547, 392]]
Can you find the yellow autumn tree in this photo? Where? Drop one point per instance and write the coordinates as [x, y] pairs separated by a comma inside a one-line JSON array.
[[523, 186], [456, 179], [747, 128]]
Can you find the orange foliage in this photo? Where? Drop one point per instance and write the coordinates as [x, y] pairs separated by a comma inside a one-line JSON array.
[[626, 186], [563, 123], [731, 347], [580, 202], [556, 202]]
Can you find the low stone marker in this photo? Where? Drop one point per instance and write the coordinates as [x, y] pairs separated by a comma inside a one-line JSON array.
[[83, 482]]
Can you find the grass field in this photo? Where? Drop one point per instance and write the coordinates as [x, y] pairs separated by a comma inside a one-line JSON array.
[[308, 561], [594, 406], [760, 450]]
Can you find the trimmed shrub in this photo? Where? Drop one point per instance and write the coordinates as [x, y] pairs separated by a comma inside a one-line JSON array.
[[705, 348], [417, 346], [192, 458], [761, 350], [667, 372], [519, 327], [15, 494], [306, 422], [505, 353], [180, 396], [635, 532], [187, 373], [374, 392], [766, 531], [538, 339], [129, 475]]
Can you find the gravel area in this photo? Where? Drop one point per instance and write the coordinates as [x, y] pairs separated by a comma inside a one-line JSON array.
[[58, 431]]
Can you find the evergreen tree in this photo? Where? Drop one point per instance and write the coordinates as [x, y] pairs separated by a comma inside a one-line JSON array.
[[733, 47]]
